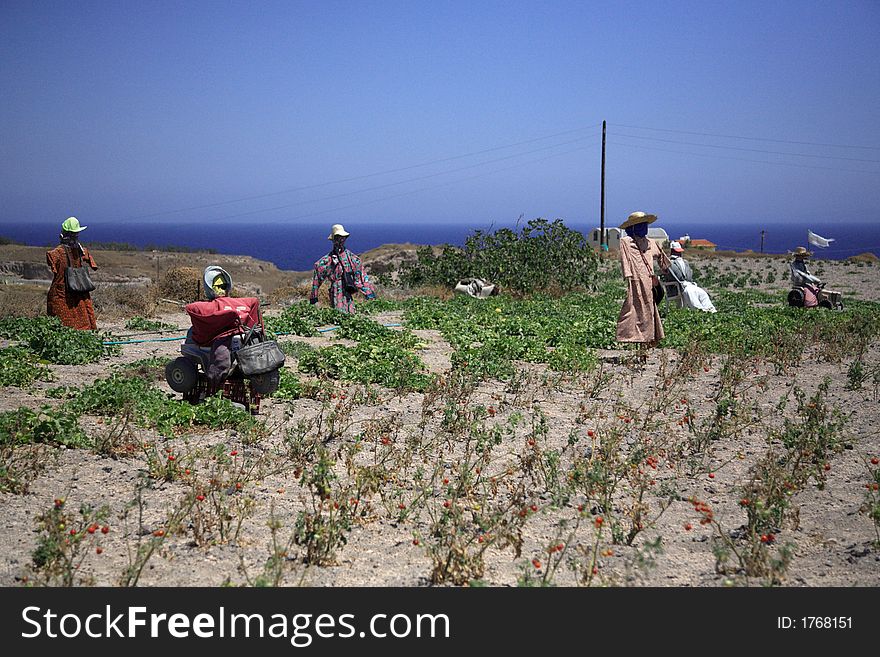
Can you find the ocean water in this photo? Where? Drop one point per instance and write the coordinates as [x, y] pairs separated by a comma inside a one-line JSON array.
[[297, 246]]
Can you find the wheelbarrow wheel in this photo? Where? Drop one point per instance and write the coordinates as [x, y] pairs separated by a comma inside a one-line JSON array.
[[181, 374]]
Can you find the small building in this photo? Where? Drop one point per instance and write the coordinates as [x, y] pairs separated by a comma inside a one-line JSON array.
[[612, 237], [705, 245], [657, 234]]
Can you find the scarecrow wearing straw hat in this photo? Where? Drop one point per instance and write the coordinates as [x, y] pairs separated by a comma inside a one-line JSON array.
[[344, 271], [801, 277], [639, 319]]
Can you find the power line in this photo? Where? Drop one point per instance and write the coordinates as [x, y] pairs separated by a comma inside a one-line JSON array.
[[401, 182], [751, 150], [778, 141], [416, 191], [741, 159], [360, 177]]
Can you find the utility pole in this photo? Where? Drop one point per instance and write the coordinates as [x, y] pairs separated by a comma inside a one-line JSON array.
[[762, 241], [603, 243]]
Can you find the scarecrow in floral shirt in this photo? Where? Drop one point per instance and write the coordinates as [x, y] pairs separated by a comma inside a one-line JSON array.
[[345, 273]]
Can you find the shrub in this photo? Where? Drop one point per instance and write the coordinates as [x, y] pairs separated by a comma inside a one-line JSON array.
[[54, 342], [542, 256], [19, 367], [181, 284], [24, 426]]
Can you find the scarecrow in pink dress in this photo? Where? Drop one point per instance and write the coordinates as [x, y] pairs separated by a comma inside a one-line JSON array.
[[639, 319]]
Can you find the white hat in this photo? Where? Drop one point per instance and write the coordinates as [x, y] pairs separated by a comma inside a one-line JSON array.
[[337, 229], [675, 246]]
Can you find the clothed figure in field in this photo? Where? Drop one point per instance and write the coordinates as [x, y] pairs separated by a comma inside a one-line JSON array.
[[801, 277], [639, 319], [678, 266], [692, 294], [344, 271], [218, 283], [477, 288], [74, 309]]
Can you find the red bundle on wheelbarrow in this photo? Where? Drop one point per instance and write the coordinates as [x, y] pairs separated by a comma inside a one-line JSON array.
[[256, 361], [221, 317]]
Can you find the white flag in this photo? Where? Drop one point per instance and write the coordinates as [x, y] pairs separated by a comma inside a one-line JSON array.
[[818, 240]]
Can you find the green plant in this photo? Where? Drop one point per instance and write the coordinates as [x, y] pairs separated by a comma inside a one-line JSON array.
[[144, 324], [24, 426], [516, 261], [54, 342], [151, 407], [381, 362], [19, 367]]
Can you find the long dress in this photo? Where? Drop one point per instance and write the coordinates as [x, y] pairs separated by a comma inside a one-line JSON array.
[[639, 319], [331, 268], [74, 309]]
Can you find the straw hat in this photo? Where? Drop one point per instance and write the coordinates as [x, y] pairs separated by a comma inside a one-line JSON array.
[[800, 252], [337, 229], [638, 218]]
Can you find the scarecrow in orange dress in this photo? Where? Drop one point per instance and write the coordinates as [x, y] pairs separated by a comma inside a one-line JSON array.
[[74, 309], [639, 319]]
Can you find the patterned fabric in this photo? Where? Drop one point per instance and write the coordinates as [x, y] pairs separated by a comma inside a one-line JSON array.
[[639, 319], [74, 309], [330, 267]]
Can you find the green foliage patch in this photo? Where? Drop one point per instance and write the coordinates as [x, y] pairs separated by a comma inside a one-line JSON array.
[[51, 341], [542, 255], [19, 367], [24, 426], [151, 407]]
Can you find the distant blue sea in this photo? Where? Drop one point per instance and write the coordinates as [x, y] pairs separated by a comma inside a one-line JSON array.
[[296, 247]]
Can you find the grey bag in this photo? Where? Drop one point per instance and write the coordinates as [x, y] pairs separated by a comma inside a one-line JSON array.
[[259, 358], [77, 279]]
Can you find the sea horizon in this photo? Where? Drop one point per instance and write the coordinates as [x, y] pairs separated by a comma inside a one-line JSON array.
[[297, 247]]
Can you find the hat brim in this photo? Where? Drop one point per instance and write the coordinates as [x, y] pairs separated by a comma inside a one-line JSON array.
[[74, 230], [805, 254], [632, 221], [332, 235]]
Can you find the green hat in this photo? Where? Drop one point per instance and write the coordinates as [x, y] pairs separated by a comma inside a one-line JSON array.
[[71, 225]]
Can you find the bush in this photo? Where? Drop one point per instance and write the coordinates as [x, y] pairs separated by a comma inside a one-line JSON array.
[[542, 256], [19, 367], [50, 340], [23, 426], [152, 407], [182, 284]]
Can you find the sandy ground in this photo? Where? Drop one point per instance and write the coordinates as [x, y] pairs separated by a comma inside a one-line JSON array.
[[833, 540]]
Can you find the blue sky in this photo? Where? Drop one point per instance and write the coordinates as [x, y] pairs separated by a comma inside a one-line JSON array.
[[468, 111]]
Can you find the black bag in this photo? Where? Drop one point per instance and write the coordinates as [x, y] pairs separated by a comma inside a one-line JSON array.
[[77, 279], [259, 358], [658, 291], [657, 287], [348, 285]]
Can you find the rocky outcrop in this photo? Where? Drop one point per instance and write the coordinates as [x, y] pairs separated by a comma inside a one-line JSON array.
[[29, 271]]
